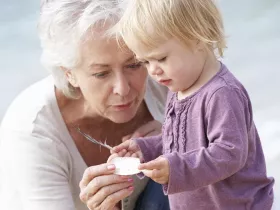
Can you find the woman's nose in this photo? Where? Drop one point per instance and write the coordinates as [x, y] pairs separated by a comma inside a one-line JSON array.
[[121, 86]]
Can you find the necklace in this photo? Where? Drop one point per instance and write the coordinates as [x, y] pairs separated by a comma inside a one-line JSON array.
[[88, 137]]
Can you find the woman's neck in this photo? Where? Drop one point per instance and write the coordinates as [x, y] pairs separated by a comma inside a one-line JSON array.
[[99, 129], [80, 115], [102, 127]]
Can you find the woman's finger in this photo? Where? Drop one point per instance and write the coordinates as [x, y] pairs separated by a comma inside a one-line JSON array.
[[100, 197], [99, 182], [117, 196], [95, 171]]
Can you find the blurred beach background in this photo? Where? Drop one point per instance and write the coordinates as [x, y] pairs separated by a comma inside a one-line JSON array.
[[253, 55]]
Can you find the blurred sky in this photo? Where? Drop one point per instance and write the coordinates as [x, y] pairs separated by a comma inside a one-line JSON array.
[[253, 55]]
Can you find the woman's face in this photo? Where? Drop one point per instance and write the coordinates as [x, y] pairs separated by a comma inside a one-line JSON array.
[[111, 81]]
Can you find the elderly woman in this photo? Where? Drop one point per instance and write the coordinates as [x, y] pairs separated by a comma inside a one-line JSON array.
[[96, 87]]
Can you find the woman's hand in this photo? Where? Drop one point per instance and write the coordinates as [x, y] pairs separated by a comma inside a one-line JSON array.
[[151, 128], [101, 189]]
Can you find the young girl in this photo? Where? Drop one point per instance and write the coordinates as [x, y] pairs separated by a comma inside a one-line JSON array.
[[209, 156]]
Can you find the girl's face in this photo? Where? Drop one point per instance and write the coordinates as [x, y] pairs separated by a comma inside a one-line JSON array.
[[174, 65], [112, 83]]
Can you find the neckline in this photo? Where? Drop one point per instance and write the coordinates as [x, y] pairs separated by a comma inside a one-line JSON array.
[[70, 144]]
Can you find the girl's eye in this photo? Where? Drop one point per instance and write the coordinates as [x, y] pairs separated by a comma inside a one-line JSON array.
[[101, 75], [162, 60], [134, 65]]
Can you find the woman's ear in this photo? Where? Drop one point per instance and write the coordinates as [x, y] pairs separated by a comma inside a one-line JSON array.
[[70, 76]]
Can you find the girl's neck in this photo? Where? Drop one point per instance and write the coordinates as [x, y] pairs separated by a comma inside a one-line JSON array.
[[210, 68]]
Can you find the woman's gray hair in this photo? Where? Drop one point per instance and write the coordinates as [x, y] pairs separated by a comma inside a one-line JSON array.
[[63, 24]]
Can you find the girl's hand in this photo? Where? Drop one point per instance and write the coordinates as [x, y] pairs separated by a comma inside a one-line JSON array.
[[129, 148], [157, 170]]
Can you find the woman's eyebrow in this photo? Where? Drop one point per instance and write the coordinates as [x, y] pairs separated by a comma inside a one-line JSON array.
[[103, 65], [98, 65], [130, 59]]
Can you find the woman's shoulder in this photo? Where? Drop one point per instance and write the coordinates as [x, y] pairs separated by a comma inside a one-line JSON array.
[[159, 92], [33, 106], [155, 98], [32, 124]]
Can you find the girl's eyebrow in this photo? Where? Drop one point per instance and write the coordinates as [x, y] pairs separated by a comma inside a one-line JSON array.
[[154, 56]]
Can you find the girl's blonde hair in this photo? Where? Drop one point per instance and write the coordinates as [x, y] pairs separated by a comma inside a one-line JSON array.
[[148, 23]]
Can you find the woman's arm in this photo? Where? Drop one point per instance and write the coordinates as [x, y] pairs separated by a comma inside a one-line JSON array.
[[152, 128], [37, 170]]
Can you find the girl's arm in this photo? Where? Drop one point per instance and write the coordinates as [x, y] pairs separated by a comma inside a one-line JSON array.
[[151, 147], [228, 120]]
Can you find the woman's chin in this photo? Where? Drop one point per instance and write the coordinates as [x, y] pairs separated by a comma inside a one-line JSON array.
[[122, 117], [123, 114]]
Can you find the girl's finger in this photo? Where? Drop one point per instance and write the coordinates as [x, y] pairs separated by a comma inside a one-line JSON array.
[[154, 164]]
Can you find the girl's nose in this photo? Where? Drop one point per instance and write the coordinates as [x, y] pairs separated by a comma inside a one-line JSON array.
[[154, 69]]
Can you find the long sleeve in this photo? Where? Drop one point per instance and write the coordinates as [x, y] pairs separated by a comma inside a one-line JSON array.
[[36, 168], [151, 147], [226, 122]]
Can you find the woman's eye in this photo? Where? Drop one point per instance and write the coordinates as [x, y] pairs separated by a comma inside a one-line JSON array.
[[162, 59], [134, 65], [144, 63], [101, 75]]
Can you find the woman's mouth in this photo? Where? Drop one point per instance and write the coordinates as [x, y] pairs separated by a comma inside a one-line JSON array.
[[122, 107]]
